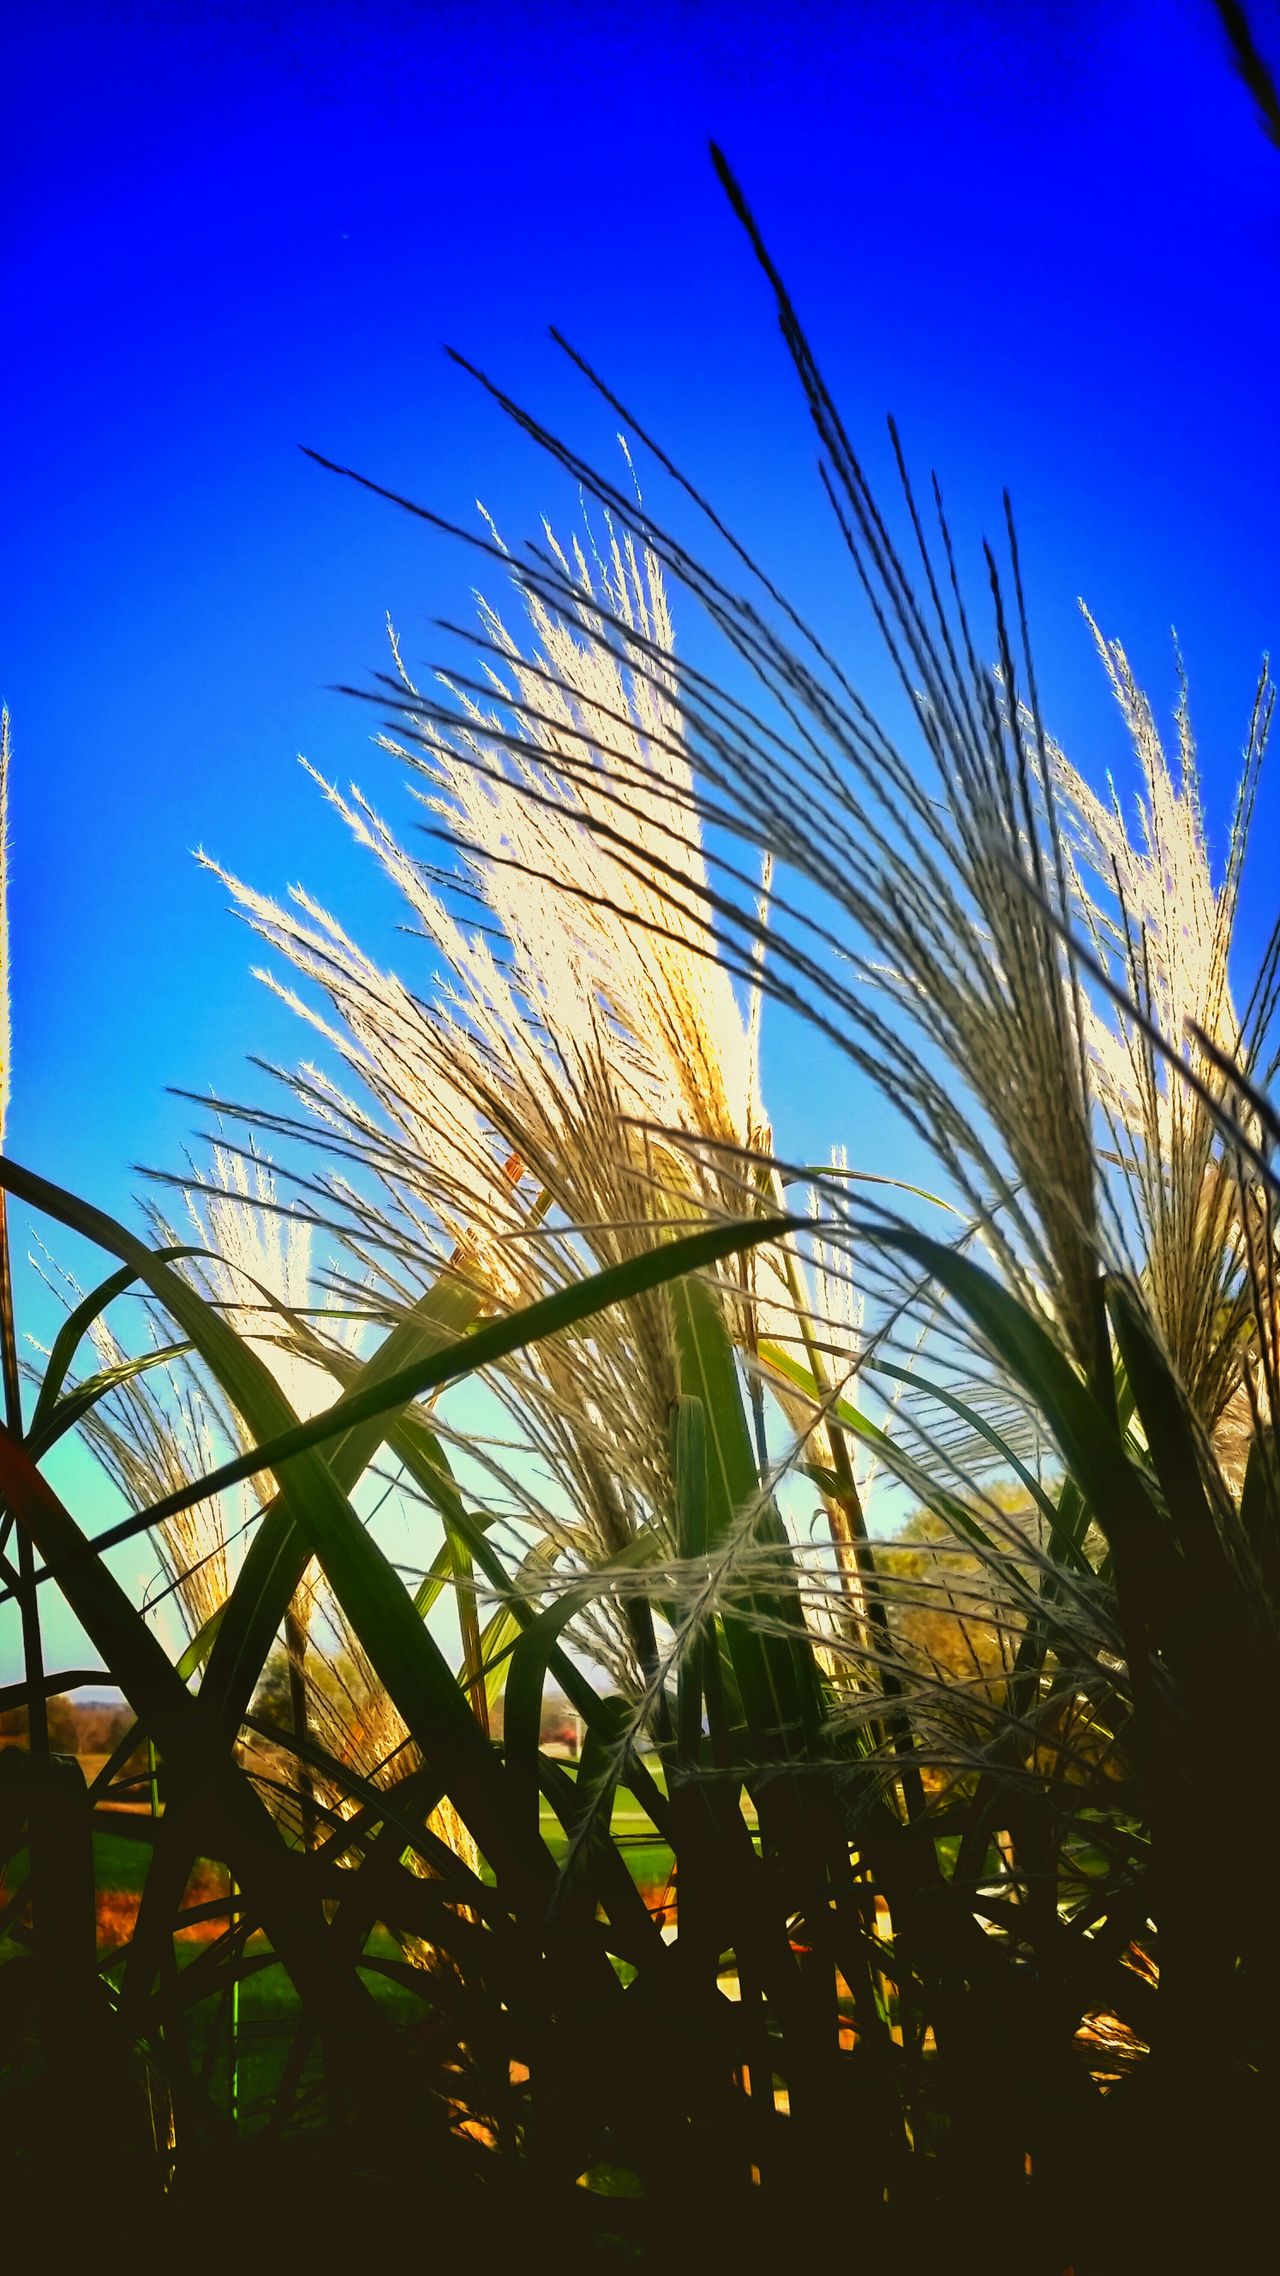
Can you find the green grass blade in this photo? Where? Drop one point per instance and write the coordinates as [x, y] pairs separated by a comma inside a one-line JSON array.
[[774, 1677], [1175, 1452], [388, 1392], [162, 1702], [67, 1412], [1087, 1436], [77, 1324], [530, 1660], [69, 1679], [689, 1465]]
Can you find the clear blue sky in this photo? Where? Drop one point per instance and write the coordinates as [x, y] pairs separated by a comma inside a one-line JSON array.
[[1047, 237]]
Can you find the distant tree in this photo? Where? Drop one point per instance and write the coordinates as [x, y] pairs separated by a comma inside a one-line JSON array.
[[64, 1726], [940, 1598], [102, 1724], [76, 1726]]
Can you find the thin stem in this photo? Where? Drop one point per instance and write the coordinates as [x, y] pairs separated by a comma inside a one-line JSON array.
[[32, 1647]]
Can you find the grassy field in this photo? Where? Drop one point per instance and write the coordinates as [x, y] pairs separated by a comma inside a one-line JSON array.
[[120, 1863], [268, 2007]]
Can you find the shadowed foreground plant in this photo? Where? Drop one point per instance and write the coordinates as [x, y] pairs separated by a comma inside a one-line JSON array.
[[973, 1893], [211, 1805], [1122, 1328]]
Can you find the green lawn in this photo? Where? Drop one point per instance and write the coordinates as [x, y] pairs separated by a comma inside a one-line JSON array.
[[633, 1832], [267, 2003]]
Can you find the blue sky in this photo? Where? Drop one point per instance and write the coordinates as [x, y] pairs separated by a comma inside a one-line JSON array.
[[1047, 238]]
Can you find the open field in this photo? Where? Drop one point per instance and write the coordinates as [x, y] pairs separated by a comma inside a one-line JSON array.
[[120, 1865]]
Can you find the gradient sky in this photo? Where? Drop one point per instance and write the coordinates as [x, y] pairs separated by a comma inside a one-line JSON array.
[[1046, 237]]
